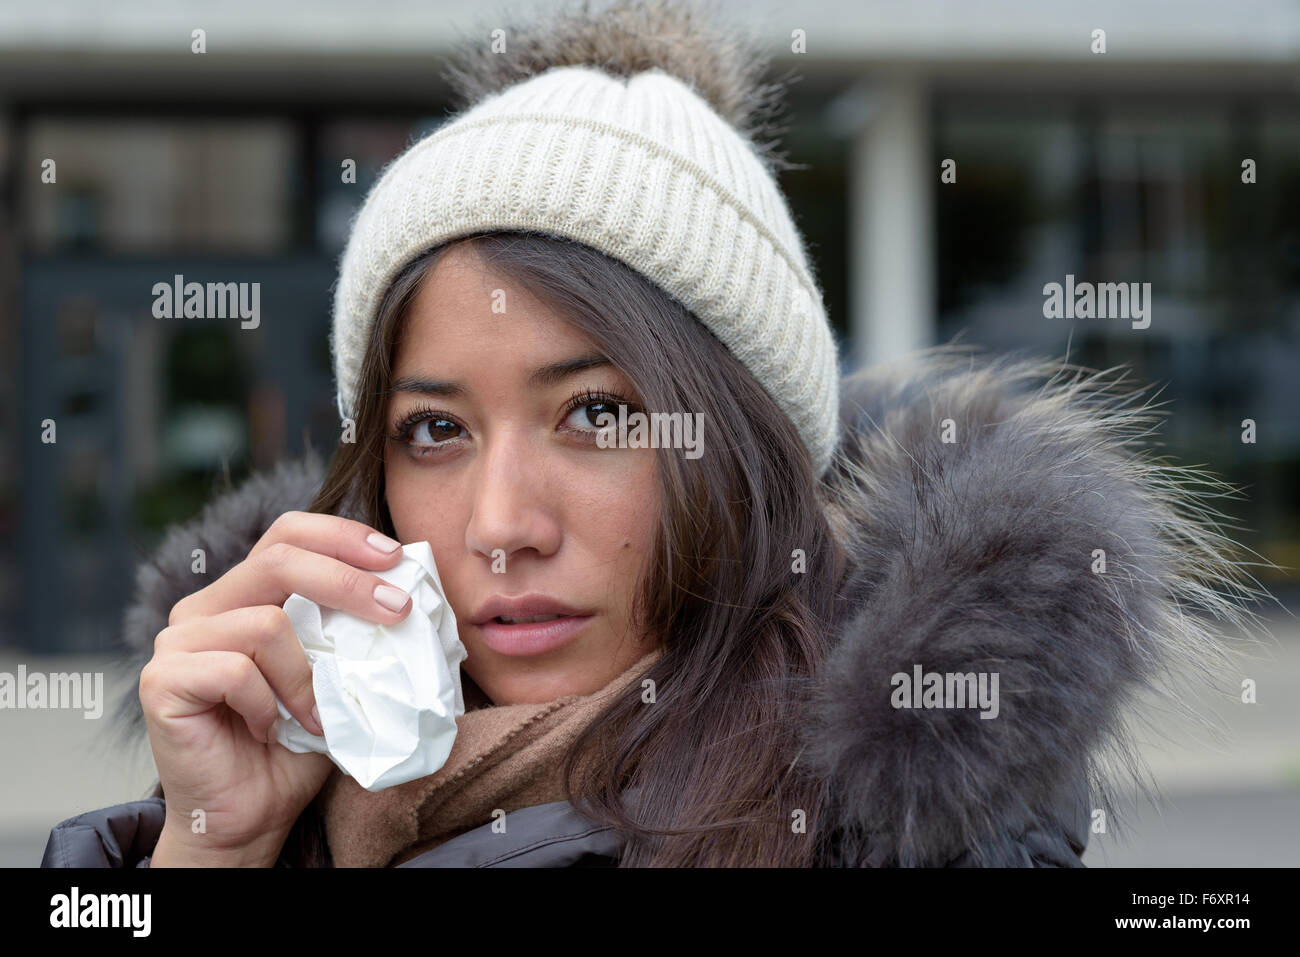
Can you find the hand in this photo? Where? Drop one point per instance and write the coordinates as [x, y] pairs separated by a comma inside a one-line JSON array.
[[209, 690]]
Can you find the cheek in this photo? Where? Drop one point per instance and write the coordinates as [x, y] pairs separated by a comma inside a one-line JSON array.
[[616, 519], [425, 511], [422, 510]]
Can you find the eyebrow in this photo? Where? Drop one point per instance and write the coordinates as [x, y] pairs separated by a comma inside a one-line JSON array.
[[547, 375]]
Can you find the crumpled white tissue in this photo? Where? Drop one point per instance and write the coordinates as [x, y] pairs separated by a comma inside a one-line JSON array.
[[388, 695]]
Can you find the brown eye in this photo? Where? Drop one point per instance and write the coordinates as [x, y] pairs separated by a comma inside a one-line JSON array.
[[439, 430], [587, 416]]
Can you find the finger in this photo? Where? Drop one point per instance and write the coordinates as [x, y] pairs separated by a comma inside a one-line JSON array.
[[352, 542], [280, 570], [262, 633], [187, 685]]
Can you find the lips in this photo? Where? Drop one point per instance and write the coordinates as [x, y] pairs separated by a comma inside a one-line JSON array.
[[531, 638], [524, 609], [535, 619], [528, 624]]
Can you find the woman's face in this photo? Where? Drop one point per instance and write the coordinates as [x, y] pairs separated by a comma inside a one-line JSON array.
[[499, 471]]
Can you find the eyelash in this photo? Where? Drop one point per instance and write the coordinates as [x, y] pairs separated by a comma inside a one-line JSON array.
[[403, 427]]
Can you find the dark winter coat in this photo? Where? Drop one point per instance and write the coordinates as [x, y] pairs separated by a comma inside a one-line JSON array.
[[976, 502]]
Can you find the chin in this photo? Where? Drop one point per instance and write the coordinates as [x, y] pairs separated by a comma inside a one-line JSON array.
[[524, 690], [533, 679], [534, 682]]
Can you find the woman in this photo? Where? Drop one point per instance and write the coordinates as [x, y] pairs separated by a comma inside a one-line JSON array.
[[742, 622]]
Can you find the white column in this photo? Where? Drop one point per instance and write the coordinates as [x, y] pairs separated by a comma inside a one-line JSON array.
[[891, 178]]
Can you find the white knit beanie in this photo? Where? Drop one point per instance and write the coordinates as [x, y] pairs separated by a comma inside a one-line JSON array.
[[641, 168]]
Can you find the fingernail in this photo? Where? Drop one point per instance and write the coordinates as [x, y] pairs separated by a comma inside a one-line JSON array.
[[394, 599], [382, 543], [315, 716]]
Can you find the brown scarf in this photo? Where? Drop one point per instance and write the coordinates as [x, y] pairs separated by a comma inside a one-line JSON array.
[[504, 756]]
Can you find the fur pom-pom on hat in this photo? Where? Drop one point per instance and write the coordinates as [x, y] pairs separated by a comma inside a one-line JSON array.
[[724, 63], [615, 129]]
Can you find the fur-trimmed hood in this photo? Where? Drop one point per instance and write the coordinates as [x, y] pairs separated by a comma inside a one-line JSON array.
[[1005, 517], [975, 499]]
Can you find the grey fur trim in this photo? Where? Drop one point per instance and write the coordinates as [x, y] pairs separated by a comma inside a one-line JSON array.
[[226, 529], [722, 61], [976, 556]]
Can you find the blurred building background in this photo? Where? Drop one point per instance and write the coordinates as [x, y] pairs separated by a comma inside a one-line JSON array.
[[1122, 166]]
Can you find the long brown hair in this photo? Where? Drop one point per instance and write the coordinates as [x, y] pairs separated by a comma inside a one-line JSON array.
[[739, 590]]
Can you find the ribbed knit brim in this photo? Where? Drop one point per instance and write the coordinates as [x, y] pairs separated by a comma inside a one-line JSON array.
[[641, 169]]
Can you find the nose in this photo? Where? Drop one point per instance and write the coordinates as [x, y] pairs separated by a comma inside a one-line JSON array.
[[513, 501]]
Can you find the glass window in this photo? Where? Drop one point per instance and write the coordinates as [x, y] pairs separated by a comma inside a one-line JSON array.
[[136, 186], [367, 147], [1122, 192]]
